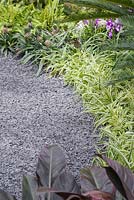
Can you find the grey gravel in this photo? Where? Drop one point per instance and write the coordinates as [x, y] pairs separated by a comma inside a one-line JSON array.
[[35, 111]]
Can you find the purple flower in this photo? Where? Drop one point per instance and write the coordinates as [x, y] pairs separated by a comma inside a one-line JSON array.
[[118, 28], [118, 25], [97, 22], [109, 24], [86, 22], [110, 34]]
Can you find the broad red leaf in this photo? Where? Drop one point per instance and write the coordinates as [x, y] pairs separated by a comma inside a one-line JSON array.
[[121, 177], [64, 195], [66, 182], [95, 178], [98, 195], [51, 163], [116, 180], [73, 196]]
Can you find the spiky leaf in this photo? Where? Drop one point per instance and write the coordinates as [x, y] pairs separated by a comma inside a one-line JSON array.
[[127, 21]]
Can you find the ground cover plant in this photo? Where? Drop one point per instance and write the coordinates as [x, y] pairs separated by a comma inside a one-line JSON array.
[[54, 182], [76, 51], [111, 105]]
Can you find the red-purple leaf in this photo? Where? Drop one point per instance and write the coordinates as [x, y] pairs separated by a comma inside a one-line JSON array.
[[95, 178], [116, 180], [51, 163], [122, 178], [98, 195], [73, 196], [64, 195], [66, 182]]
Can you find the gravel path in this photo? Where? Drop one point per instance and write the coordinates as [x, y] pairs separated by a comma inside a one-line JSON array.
[[35, 111]]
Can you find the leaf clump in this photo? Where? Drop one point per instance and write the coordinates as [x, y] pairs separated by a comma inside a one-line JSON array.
[[54, 182]]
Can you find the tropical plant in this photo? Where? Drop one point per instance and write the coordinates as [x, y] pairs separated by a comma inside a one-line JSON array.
[[106, 8], [18, 15], [124, 10], [54, 182], [37, 3], [52, 11]]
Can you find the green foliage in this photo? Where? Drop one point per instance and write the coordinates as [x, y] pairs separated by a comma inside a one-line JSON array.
[[39, 48], [6, 43], [18, 16], [20, 33], [105, 8], [89, 71], [52, 181], [38, 3], [112, 8], [52, 11]]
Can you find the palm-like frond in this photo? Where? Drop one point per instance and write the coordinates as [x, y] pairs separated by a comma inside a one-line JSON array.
[[127, 3], [103, 4], [89, 15]]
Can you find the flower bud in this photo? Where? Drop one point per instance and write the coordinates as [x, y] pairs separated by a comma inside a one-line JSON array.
[[5, 30], [48, 43], [39, 38]]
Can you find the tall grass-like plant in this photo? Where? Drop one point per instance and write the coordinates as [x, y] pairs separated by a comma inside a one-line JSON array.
[[89, 71], [38, 3], [52, 11]]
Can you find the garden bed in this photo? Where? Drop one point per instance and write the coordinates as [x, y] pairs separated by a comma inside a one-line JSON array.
[[95, 57]]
